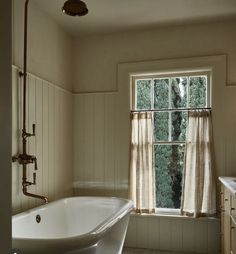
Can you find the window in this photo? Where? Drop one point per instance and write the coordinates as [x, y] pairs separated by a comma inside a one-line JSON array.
[[169, 97]]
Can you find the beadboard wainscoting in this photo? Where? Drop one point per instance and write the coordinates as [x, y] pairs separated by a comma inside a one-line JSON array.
[[175, 234], [50, 108], [97, 148]]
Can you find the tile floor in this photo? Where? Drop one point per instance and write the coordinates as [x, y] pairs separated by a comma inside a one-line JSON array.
[[145, 251]]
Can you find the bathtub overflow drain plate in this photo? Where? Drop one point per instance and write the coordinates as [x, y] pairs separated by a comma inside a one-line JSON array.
[[38, 218]]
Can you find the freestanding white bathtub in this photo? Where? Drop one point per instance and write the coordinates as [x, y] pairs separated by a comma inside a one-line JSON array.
[[77, 225]]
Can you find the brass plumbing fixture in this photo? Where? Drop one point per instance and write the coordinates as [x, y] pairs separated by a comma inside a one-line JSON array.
[[72, 8], [24, 159]]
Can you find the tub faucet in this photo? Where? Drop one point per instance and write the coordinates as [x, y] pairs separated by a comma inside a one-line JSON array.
[[24, 159], [26, 193]]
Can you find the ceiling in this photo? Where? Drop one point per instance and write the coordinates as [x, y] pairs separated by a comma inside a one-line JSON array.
[[106, 16]]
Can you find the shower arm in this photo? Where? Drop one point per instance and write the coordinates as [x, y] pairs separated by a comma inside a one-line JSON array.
[[24, 159]]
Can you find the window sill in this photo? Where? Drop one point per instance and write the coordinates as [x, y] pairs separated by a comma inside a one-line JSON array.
[[171, 216]]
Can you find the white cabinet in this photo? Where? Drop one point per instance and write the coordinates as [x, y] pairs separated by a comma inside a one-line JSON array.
[[225, 221], [228, 221], [233, 225]]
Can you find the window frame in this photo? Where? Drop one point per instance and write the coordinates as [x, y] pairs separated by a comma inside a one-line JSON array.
[[169, 75]]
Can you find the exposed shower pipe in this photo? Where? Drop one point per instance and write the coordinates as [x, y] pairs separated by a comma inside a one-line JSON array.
[[25, 67], [72, 8], [24, 159]]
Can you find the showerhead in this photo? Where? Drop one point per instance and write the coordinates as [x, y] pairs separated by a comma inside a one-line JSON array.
[[75, 8]]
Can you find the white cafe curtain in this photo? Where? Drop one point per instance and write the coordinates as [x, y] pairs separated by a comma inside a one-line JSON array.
[[141, 187], [199, 192]]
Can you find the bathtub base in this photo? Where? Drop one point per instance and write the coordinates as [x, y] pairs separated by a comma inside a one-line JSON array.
[[89, 250], [111, 243]]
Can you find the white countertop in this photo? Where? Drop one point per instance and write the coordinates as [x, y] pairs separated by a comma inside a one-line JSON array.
[[230, 183]]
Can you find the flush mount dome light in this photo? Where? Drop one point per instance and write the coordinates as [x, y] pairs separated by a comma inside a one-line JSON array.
[[75, 8]]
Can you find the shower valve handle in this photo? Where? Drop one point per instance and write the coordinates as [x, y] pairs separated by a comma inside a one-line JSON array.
[[33, 127], [27, 134], [35, 164], [34, 178]]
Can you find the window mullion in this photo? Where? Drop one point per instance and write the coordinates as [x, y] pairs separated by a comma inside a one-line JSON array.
[[170, 106], [136, 93], [152, 93], [188, 92], [153, 127]]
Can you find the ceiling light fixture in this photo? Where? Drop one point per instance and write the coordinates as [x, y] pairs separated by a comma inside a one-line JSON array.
[[75, 8]]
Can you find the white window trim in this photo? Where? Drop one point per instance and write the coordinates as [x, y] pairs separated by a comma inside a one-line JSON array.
[[215, 64], [125, 71], [192, 73], [152, 77]]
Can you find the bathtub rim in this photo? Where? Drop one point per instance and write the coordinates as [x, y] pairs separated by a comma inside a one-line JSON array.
[[92, 235]]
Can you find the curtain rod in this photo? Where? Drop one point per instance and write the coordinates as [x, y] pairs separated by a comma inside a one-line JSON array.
[[169, 109]]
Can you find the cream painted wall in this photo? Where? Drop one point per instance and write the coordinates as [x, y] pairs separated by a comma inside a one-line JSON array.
[[5, 127], [96, 57], [101, 118], [49, 47]]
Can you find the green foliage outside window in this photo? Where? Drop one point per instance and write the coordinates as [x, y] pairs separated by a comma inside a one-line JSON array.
[[161, 93], [198, 88], [170, 127], [161, 126], [168, 169], [143, 94]]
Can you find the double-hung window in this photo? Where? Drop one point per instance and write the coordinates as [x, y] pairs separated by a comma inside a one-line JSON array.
[[169, 97]]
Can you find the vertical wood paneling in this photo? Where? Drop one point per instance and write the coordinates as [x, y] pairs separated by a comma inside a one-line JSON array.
[[39, 135], [117, 149], [182, 235], [60, 176], [89, 141], [131, 236], [56, 141], [68, 146], [98, 147], [176, 235], [45, 139], [201, 236], [142, 232], [99, 127], [189, 236], [154, 233], [31, 141], [213, 237], [165, 236], [109, 140], [230, 158], [50, 108], [51, 148], [79, 142]]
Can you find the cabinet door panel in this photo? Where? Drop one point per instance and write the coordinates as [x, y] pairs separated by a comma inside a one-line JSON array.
[[233, 207], [226, 222]]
